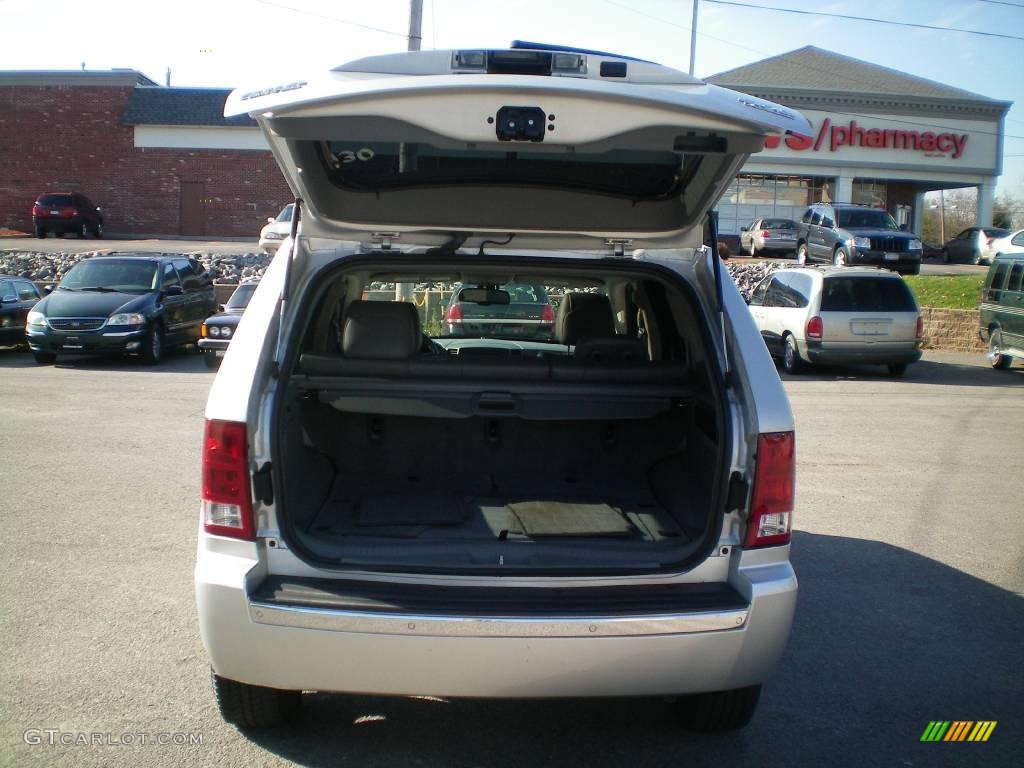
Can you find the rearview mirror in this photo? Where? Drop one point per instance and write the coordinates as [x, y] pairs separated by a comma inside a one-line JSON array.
[[484, 296], [12, 299], [172, 290], [271, 219], [47, 289]]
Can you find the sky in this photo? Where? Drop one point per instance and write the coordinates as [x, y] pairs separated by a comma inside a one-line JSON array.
[[234, 43]]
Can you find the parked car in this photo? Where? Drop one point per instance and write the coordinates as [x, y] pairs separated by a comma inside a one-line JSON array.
[[122, 304], [17, 296], [593, 515], [514, 310], [838, 316], [1002, 308], [1010, 243], [845, 234], [775, 235], [218, 329], [974, 245], [277, 229], [64, 212]]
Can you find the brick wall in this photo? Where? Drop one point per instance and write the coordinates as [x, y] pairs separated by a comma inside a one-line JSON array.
[[63, 138], [952, 329]]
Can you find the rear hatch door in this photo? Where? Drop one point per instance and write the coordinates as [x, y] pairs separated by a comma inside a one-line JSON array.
[[434, 147], [867, 309]]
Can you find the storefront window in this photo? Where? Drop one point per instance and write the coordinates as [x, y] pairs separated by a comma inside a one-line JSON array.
[[869, 192], [752, 196]]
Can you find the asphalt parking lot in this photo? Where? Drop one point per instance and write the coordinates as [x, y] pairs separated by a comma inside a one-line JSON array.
[[909, 547]]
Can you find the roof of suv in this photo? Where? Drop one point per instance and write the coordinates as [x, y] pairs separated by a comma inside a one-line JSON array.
[[827, 270]]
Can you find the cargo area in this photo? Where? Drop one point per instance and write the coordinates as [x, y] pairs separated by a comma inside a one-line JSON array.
[[600, 450]]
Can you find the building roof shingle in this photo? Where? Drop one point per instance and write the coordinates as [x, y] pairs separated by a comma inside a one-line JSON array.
[[813, 69], [181, 106]]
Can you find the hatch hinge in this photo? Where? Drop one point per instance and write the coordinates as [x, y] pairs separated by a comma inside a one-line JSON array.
[[384, 239], [618, 244]]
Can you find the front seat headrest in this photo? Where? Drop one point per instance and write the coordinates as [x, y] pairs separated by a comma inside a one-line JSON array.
[[381, 330], [584, 316]]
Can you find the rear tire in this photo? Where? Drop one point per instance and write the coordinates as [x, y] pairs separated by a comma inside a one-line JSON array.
[[801, 253], [252, 706], [82, 231], [718, 711], [996, 358], [41, 233], [791, 361], [97, 231], [945, 256], [896, 370], [44, 358], [839, 258]]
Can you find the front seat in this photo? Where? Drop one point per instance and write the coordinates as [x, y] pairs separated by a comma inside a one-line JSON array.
[[586, 321]]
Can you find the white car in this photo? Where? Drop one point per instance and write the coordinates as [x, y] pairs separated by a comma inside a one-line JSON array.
[[389, 510], [276, 230], [838, 315], [1011, 243]]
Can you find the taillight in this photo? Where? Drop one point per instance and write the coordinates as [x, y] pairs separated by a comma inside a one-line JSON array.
[[455, 313], [765, 234], [771, 506], [919, 331], [226, 500], [547, 314], [990, 241], [68, 213], [814, 328]]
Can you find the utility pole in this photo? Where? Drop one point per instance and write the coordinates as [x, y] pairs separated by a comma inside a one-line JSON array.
[[942, 217], [415, 24], [693, 38]]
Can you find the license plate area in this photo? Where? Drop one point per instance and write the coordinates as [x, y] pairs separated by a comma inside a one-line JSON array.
[[870, 327], [892, 257]]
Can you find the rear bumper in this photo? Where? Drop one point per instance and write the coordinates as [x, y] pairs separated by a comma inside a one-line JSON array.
[[877, 354], [213, 345], [89, 342], [370, 652]]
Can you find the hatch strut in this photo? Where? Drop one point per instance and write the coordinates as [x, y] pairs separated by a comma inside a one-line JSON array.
[[716, 262], [286, 285]]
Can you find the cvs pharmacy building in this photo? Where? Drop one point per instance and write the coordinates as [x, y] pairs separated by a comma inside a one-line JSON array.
[[881, 137]]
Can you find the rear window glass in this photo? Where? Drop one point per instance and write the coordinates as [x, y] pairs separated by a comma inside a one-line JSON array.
[[866, 294], [55, 200], [240, 298], [638, 174], [1015, 277], [778, 224]]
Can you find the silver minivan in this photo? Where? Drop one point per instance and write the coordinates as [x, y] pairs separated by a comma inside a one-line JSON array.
[[838, 316], [390, 509]]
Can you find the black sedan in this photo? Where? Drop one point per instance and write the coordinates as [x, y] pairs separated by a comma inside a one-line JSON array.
[[122, 304], [17, 296], [218, 330]]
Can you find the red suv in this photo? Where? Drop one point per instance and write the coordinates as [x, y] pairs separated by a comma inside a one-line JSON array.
[[62, 212]]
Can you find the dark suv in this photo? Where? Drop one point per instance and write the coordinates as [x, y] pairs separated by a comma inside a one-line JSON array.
[[843, 233], [122, 304], [62, 212]]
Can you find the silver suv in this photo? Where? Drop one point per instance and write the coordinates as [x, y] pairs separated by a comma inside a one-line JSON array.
[[390, 509], [845, 234]]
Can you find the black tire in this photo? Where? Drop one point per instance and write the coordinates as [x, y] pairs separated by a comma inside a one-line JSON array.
[[97, 231], [914, 270], [945, 256], [753, 249], [82, 231], [896, 370], [792, 363], [718, 711], [58, 233], [153, 345], [252, 706], [801, 253], [44, 358], [840, 258], [996, 358], [41, 233], [211, 360]]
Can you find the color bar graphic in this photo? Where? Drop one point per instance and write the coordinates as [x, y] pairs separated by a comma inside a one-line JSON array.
[[958, 730]]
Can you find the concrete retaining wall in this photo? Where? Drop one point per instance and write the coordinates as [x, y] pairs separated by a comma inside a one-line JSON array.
[[951, 329]]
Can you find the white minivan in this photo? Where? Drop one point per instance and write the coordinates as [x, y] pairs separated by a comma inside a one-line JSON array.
[[389, 509]]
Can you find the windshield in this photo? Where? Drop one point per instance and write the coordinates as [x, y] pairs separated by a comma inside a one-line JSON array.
[[126, 275], [240, 298], [865, 218], [638, 174], [55, 200], [286, 214]]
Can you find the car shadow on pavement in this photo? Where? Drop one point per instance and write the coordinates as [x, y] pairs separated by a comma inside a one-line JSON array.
[[885, 640], [922, 372], [175, 361]]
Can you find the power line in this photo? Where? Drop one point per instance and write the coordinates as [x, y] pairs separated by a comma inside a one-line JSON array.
[[865, 18], [830, 73], [1002, 2], [403, 35]]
